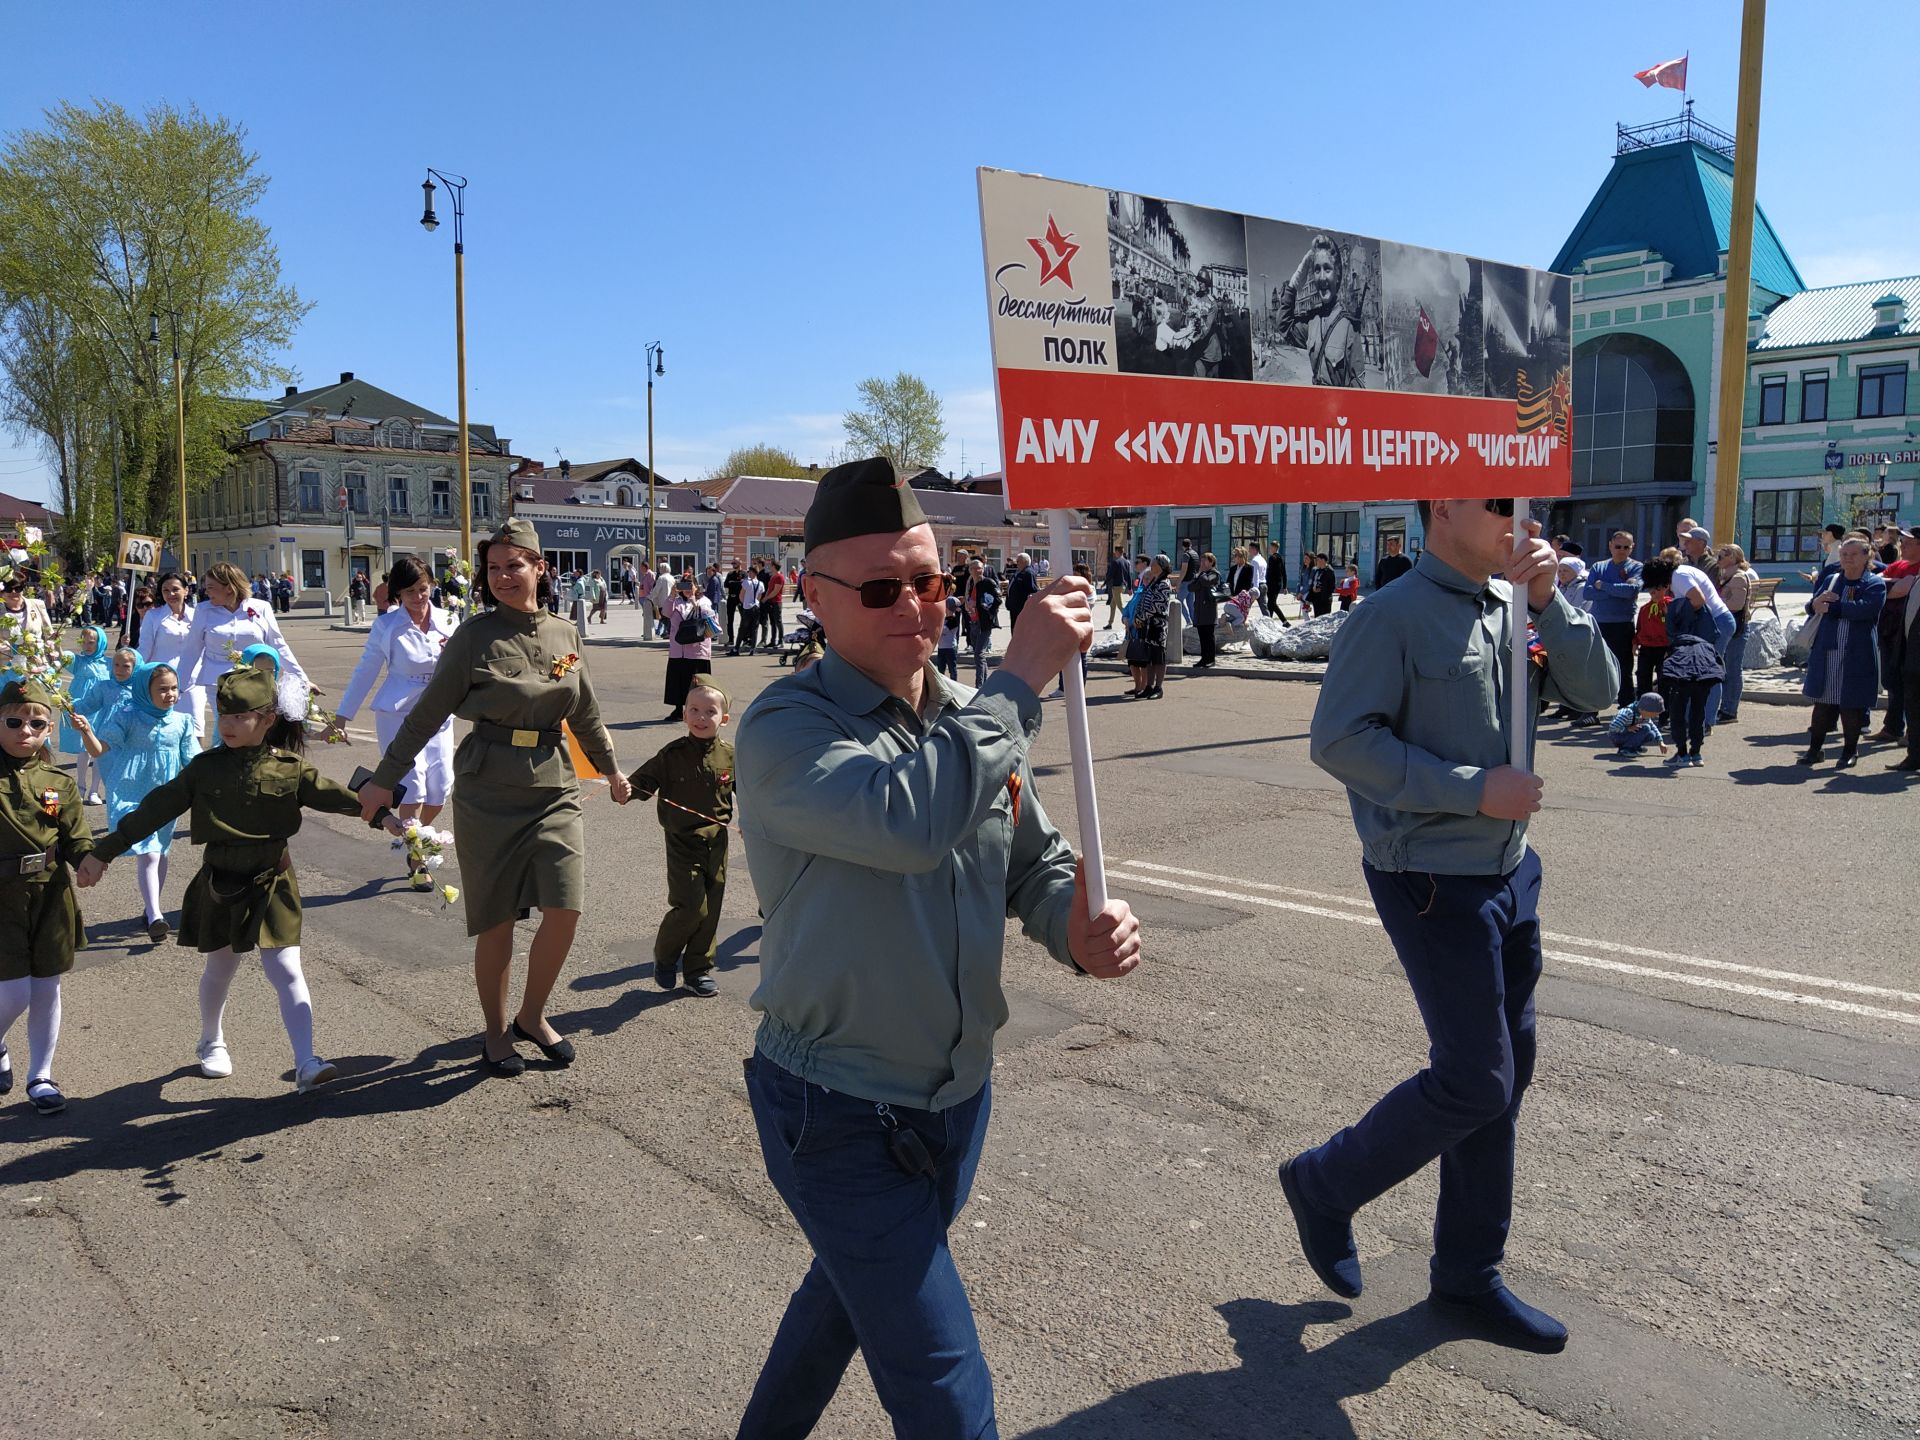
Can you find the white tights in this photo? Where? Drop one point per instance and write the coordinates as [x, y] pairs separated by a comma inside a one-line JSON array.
[[41, 995], [150, 874], [289, 984], [86, 774]]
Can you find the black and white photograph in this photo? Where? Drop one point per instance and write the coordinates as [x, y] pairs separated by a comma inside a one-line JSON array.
[[1179, 288], [1436, 340], [1526, 329], [1319, 314], [138, 552]]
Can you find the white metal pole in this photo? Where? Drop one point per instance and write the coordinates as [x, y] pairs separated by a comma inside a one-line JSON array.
[[1079, 742], [1521, 690]]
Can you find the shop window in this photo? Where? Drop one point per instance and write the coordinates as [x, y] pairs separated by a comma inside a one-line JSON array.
[[1786, 526]]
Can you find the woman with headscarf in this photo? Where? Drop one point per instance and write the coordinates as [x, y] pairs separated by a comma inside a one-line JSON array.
[[1843, 668], [406, 643], [1147, 646], [516, 672], [92, 664]]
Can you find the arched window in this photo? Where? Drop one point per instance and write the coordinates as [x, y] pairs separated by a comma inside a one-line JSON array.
[[1632, 414], [623, 496]]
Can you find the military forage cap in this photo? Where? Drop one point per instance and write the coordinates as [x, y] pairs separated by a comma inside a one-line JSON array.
[[519, 533], [862, 497], [248, 688], [27, 692]]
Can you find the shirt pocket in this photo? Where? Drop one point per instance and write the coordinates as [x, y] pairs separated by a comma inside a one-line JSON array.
[[1452, 692]]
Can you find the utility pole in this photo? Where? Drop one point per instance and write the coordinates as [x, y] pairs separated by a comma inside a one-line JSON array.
[[1733, 324]]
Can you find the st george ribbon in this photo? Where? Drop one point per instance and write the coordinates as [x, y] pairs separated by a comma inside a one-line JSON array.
[[1150, 352]]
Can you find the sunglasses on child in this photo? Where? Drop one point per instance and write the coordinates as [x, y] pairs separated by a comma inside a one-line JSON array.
[[881, 594], [21, 722]]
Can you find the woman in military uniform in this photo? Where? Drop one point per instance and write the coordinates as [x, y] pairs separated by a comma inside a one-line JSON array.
[[245, 796], [515, 671]]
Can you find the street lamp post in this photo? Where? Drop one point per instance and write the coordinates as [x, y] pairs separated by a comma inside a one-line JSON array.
[[179, 418], [656, 365], [457, 188]]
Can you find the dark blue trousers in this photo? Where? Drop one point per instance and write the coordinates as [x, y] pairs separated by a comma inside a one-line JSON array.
[[882, 1279], [1470, 946]]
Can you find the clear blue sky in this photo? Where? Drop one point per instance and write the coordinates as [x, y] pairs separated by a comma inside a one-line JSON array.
[[784, 194]]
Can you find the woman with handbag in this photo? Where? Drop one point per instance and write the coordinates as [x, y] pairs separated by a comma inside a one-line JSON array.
[[691, 624], [1843, 667], [1147, 642]]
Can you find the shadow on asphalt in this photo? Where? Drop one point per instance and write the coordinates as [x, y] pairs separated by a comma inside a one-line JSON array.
[[139, 1126], [1279, 1387], [640, 994]]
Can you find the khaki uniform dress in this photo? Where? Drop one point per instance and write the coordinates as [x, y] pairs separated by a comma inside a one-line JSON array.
[[39, 918], [516, 800], [696, 774], [246, 805]]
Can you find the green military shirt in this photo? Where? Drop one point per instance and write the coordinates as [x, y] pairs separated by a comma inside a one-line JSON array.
[[39, 920], [888, 849], [500, 667], [695, 775], [241, 801]]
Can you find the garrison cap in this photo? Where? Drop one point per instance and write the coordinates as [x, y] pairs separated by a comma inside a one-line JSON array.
[[517, 532], [28, 692], [248, 688], [862, 497], [707, 682]]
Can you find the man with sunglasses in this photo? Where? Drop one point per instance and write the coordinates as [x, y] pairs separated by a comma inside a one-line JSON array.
[[1614, 586], [1413, 718], [891, 827]]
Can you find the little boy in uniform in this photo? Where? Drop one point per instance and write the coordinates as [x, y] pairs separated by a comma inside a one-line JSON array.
[[693, 778], [1637, 726], [43, 830]]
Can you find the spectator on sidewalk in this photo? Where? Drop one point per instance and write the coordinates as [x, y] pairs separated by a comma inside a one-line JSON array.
[[1206, 609], [1116, 585], [1900, 575], [1613, 595], [1735, 579], [1843, 667], [1391, 566]]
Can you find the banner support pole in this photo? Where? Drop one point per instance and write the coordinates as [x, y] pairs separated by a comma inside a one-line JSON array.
[[1079, 742], [1521, 690]]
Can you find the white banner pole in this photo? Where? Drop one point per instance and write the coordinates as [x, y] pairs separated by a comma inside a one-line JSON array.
[[1079, 742], [1522, 687]]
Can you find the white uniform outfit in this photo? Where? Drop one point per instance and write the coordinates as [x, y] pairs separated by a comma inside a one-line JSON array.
[[163, 641], [408, 654], [216, 631]]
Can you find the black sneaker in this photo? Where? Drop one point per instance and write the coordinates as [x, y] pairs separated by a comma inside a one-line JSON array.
[[666, 973], [703, 986]]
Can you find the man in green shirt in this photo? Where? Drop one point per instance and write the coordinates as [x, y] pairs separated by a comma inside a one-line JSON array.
[[891, 827]]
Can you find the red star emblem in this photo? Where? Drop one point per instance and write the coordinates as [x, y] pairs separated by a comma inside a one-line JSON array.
[[1056, 252]]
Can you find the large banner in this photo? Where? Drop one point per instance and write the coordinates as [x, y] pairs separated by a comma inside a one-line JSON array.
[[1153, 353]]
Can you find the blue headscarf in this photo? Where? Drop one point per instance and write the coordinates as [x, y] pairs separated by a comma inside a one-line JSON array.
[[252, 654], [126, 685], [102, 657], [140, 689]]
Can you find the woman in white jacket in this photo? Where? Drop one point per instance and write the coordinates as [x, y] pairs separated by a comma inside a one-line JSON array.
[[406, 643], [230, 621], [164, 631]]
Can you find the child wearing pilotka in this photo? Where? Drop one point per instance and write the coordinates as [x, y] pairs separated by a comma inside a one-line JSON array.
[[43, 830]]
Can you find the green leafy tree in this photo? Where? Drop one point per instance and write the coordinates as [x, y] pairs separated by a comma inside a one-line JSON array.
[[105, 219], [773, 460], [900, 419]]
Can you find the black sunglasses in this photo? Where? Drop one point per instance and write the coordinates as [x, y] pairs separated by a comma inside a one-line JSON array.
[[17, 722], [1502, 508], [881, 594]]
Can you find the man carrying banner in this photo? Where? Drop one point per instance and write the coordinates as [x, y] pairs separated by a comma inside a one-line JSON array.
[[875, 791], [1412, 719]]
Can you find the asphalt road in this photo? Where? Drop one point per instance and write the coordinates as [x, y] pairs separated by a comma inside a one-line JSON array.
[[1720, 1158]]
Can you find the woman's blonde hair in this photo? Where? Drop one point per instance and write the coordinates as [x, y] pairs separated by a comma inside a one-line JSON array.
[[225, 572]]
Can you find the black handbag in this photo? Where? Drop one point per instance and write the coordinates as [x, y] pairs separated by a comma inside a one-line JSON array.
[[687, 632]]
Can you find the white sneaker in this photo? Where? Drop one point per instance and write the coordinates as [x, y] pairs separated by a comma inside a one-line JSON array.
[[215, 1062], [315, 1072]]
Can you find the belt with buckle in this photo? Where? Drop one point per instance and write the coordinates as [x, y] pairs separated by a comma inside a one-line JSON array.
[[519, 739], [12, 866]]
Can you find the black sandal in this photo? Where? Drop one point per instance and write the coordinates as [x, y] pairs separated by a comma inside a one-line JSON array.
[[560, 1052], [507, 1066], [45, 1097]]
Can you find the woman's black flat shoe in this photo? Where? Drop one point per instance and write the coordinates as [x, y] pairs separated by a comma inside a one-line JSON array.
[[560, 1052], [508, 1065]]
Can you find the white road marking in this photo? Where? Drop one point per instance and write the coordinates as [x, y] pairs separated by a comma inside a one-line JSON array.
[[1758, 972], [1707, 982]]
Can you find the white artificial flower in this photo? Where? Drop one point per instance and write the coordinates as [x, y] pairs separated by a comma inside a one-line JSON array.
[[434, 862]]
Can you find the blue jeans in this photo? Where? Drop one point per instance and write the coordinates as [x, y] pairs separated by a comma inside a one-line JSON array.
[[1736, 680], [1470, 945], [981, 639], [947, 661], [882, 1280]]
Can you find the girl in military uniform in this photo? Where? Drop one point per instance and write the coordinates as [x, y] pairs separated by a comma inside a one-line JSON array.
[[516, 672], [246, 798], [43, 829]]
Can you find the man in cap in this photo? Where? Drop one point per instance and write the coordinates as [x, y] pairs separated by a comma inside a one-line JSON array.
[[871, 786]]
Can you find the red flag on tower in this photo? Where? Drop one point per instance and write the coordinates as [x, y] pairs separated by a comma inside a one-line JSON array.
[[1670, 73]]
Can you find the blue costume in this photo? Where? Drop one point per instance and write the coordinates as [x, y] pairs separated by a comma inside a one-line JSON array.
[[88, 671], [146, 747]]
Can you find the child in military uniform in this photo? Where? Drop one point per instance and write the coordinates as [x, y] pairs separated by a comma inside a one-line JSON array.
[[245, 796], [693, 776], [43, 829]]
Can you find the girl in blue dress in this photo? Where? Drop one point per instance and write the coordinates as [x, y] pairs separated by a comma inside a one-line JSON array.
[[146, 742], [91, 665]]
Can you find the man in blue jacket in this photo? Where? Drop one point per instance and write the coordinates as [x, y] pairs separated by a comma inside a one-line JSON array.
[[1614, 586]]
